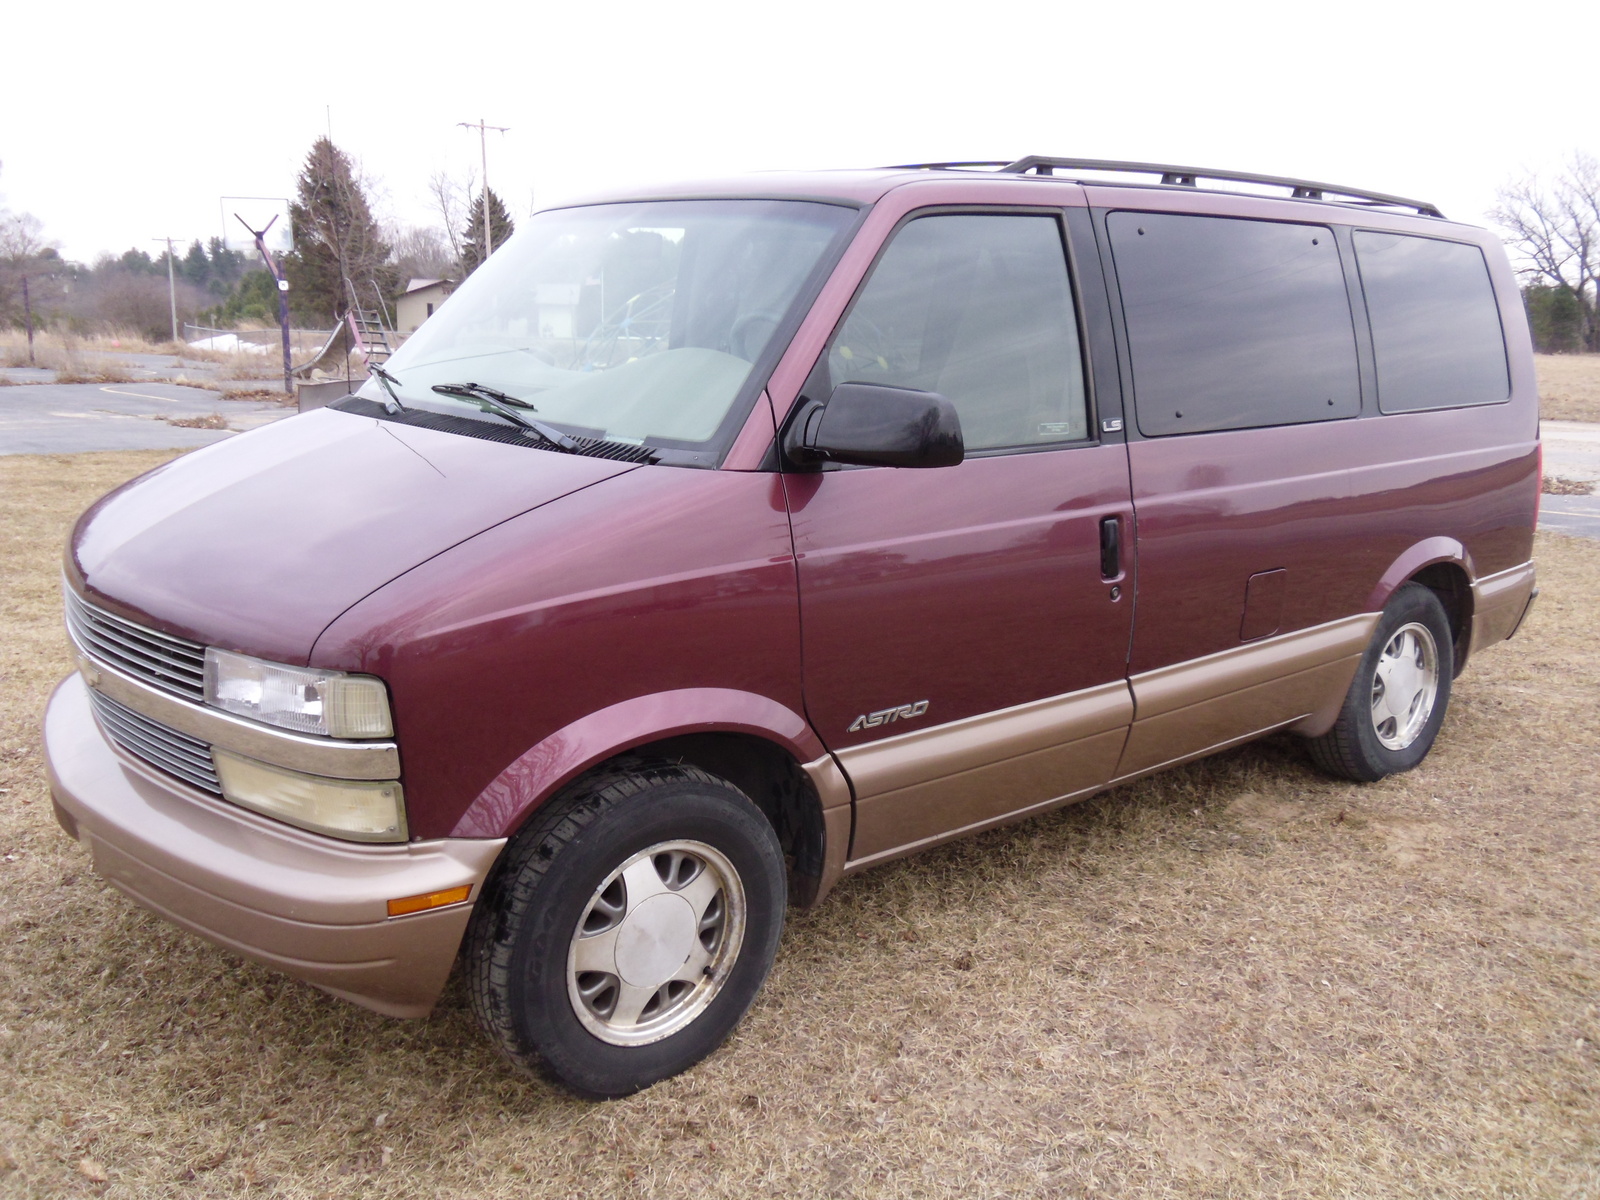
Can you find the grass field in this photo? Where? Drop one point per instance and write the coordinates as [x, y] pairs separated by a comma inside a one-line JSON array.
[[1238, 979], [1569, 386]]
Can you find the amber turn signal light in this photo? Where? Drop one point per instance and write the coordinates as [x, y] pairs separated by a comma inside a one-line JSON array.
[[407, 905]]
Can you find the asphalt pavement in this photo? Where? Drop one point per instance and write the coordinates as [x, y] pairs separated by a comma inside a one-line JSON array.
[[1571, 452], [68, 418]]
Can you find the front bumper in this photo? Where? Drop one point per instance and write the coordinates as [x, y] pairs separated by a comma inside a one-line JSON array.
[[310, 906]]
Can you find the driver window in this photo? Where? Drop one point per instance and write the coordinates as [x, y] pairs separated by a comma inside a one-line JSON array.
[[977, 308]]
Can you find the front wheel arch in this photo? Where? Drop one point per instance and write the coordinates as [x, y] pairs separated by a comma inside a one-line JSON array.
[[536, 906]]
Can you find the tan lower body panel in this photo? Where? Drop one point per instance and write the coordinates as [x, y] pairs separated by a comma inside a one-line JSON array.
[[1499, 602], [393, 967], [833, 796], [311, 906], [1192, 708], [919, 788]]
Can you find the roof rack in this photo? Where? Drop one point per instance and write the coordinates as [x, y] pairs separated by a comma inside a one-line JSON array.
[[998, 163], [1300, 189]]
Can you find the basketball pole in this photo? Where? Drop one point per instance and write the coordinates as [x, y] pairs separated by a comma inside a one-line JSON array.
[[260, 236]]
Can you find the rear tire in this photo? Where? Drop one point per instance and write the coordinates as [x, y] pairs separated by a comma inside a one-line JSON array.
[[1398, 698], [627, 930]]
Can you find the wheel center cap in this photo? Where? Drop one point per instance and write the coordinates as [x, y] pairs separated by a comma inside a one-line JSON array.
[[655, 940], [1403, 683]]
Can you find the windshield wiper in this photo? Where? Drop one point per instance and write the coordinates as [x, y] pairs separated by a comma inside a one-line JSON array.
[[388, 382], [495, 401]]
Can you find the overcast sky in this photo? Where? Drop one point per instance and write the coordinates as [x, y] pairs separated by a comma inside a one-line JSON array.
[[122, 124]]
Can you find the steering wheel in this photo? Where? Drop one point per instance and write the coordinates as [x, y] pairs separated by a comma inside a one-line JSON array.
[[750, 333]]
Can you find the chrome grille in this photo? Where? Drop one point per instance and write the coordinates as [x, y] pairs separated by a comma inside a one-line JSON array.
[[178, 754], [172, 664]]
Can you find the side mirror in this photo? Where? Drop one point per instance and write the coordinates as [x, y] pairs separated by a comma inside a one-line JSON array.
[[874, 426]]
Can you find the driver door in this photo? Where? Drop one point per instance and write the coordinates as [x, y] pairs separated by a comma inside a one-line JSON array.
[[965, 636]]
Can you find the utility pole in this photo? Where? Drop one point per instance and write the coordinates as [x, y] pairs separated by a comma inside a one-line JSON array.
[[483, 150], [27, 316], [172, 286], [283, 296]]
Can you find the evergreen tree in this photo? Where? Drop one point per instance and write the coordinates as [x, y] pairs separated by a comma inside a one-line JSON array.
[[337, 244], [1555, 316], [226, 265], [254, 299], [139, 263], [501, 227], [195, 267]]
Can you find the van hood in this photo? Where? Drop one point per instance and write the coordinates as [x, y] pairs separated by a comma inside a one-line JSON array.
[[257, 543]]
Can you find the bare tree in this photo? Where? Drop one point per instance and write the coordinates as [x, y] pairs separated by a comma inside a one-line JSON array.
[[452, 200], [22, 237], [1555, 228], [24, 252], [421, 252]]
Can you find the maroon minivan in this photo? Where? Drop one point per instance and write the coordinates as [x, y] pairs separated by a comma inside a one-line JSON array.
[[715, 542]]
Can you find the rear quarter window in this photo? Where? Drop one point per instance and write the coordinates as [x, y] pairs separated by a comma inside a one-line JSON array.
[[1436, 333], [1233, 324]]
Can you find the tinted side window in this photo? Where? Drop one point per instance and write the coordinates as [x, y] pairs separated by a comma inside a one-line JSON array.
[[977, 308], [1233, 324], [1435, 325]]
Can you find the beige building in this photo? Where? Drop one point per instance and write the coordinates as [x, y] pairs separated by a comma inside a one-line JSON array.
[[417, 305]]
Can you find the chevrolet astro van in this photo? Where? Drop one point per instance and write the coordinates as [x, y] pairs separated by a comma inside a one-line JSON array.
[[715, 542]]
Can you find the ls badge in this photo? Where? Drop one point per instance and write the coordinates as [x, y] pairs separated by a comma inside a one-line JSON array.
[[888, 716]]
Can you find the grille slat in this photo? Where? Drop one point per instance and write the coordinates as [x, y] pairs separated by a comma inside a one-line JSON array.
[[178, 754], [102, 616], [139, 663], [186, 665], [159, 659], [152, 736], [142, 749], [169, 751]]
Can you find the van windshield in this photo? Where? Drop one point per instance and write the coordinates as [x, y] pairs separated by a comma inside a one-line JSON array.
[[636, 323]]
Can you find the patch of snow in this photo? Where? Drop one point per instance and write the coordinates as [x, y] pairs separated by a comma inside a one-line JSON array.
[[231, 343]]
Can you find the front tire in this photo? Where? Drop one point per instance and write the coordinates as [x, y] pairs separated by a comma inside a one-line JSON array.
[[1398, 698], [628, 928]]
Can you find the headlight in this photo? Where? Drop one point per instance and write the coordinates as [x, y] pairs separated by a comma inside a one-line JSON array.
[[298, 698], [347, 808]]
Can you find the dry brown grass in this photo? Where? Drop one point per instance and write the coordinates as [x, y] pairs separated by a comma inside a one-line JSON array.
[[14, 343], [73, 359], [1554, 485], [211, 420], [1569, 386], [260, 395], [1238, 979]]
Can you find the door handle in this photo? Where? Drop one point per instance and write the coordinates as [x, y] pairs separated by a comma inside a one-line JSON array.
[[1110, 547]]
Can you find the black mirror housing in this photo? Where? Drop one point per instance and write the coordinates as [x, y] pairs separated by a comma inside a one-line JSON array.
[[868, 425]]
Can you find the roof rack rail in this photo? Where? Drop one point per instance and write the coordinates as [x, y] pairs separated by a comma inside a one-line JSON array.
[[947, 166], [1300, 189]]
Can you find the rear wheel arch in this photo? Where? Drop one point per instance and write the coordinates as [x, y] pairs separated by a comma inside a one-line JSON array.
[[1450, 582], [1445, 567]]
